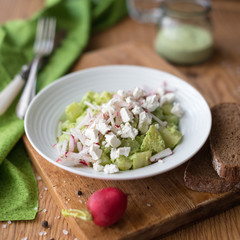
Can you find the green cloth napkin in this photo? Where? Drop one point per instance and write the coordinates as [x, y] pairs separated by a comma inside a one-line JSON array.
[[18, 188], [80, 18]]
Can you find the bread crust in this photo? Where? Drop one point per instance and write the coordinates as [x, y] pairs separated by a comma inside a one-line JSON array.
[[225, 141]]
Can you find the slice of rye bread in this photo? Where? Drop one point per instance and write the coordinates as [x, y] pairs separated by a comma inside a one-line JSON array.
[[225, 140], [200, 175]]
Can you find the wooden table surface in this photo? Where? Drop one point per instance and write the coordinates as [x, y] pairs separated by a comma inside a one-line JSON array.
[[223, 70]]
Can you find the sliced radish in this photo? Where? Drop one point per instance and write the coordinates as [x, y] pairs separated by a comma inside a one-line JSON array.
[[79, 146], [94, 107], [164, 124], [71, 143], [166, 152], [85, 120], [58, 148], [64, 147], [111, 118]]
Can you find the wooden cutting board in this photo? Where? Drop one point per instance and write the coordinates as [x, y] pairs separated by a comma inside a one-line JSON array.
[[156, 205]]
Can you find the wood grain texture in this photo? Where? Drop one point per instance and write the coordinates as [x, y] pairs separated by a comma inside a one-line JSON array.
[[171, 203], [221, 70], [156, 205]]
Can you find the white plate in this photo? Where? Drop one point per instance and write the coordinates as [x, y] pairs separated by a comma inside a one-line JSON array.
[[48, 106]]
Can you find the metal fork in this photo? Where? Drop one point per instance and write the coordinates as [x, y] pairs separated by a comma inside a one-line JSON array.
[[43, 46]]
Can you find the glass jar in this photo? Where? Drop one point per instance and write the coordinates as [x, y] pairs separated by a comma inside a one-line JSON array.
[[185, 32]]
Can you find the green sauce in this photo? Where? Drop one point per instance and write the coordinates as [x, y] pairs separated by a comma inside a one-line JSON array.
[[184, 44]]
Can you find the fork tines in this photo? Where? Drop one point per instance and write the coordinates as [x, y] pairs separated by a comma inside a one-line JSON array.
[[45, 35]]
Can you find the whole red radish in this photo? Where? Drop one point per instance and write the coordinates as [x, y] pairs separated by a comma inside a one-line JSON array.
[[107, 206]]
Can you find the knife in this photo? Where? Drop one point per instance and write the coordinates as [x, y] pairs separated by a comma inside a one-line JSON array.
[[9, 93]]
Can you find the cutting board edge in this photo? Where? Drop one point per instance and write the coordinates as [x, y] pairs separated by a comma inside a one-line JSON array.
[[159, 228], [159, 64], [141, 234]]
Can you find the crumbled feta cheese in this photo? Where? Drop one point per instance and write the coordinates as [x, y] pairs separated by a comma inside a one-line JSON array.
[[126, 115], [88, 142], [109, 106], [137, 110], [39, 178], [92, 126], [138, 92], [130, 100], [97, 166], [157, 126], [102, 127], [177, 110], [104, 108], [92, 135], [112, 140], [121, 93], [124, 151], [4, 226], [110, 168], [169, 97], [151, 103], [144, 121], [119, 132], [95, 152], [25, 238], [114, 154], [65, 232], [128, 131], [9, 222]]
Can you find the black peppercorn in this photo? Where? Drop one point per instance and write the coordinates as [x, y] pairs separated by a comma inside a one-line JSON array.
[[80, 193], [45, 224]]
